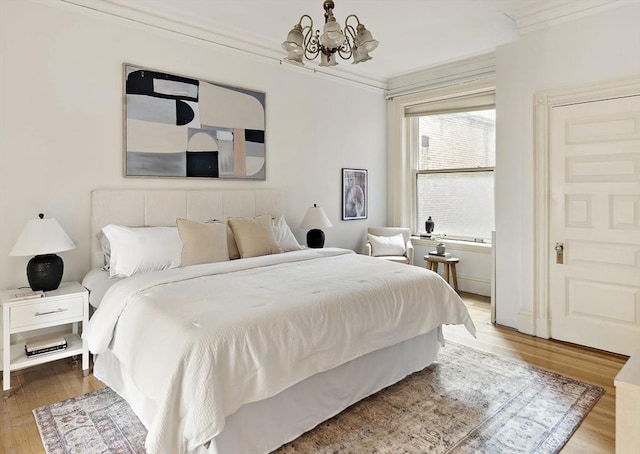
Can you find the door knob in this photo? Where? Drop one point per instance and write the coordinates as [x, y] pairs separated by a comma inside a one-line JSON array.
[[559, 252]]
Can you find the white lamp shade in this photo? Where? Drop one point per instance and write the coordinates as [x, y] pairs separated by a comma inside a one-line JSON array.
[[328, 60], [294, 40], [315, 218], [360, 55], [42, 236], [333, 37], [364, 40], [295, 58]]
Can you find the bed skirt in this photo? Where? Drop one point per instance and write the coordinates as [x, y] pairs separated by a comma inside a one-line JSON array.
[[261, 427]]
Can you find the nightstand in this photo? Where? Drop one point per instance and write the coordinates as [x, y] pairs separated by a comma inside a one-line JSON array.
[[67, 305]]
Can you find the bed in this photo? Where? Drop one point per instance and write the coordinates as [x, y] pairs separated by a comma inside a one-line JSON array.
[[242, 356]]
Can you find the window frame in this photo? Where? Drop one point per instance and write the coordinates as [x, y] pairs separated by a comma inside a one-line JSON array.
[[401, 195], [411, 140]]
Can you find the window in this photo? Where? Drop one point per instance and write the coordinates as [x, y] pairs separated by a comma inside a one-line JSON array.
[[454, 160]]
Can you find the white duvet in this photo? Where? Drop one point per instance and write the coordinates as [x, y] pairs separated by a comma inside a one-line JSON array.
[[201, 341]]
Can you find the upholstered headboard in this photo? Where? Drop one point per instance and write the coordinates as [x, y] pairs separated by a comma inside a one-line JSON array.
[[159, 207]]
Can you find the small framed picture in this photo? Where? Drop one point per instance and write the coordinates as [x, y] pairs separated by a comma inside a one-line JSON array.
[[354, 194]]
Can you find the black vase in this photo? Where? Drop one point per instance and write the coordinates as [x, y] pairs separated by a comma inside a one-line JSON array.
[[429, 225], [44, 272], [315, 238]]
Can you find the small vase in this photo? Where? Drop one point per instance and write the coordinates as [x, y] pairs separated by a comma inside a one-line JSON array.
[[429, 225], [440, 248]]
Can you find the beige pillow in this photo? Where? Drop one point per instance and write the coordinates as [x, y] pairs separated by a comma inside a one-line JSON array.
[[231, 241], [254, 236], [202, 242]]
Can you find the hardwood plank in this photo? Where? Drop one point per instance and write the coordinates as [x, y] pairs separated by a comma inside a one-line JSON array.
[[35, 387], [59, 380], [596, 434]]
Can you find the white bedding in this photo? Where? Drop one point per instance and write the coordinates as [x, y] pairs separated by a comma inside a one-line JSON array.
[[202, 341], [98, 281]]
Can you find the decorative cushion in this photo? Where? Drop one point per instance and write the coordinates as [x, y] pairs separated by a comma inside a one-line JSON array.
[[254, 236], [283, 235], [142, 249], [203, 242], [387, 245], [231, 241]]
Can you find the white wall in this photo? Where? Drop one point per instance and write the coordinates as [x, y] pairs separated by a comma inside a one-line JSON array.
[[473, 270], [594, 48], [61, 115]]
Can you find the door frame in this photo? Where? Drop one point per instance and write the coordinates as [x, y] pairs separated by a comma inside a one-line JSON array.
[[544, 101]]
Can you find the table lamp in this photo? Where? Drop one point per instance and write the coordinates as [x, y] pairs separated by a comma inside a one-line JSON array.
[[43, 238], [315, 219]]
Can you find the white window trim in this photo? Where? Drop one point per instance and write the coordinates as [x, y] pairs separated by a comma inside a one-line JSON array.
[[402, 177], [455, 245], [413, 129]]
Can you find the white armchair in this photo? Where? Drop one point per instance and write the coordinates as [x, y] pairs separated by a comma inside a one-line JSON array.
[[380, 244]]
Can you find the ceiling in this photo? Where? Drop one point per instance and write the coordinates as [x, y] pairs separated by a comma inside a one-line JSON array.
[[413, 34]]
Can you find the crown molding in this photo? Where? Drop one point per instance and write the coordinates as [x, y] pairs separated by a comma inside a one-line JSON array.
[[542, 14], [466, 70], [228, 41]]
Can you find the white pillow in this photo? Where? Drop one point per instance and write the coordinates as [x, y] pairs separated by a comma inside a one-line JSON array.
[[106, 250], [142, 249], [387, 245], [284, 237]]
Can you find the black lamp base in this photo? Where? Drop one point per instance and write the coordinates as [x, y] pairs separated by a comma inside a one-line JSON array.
[[44, 272], [315, 238]]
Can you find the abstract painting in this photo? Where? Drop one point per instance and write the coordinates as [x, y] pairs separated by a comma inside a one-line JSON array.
[[183, 127], [354, 194]]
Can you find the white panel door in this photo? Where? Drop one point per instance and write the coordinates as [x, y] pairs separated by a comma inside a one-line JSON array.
[[594, 219]]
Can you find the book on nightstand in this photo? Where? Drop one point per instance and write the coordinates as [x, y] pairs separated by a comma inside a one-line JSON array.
[[40, 345], [26, 295], [446, 254], [432, 235]]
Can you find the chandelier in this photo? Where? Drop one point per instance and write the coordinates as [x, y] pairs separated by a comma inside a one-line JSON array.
[[303, 42]]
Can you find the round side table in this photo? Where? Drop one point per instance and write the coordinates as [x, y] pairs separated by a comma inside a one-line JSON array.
[[450, 273]]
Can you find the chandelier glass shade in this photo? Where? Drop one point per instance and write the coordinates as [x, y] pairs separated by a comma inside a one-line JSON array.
[[352, 42]]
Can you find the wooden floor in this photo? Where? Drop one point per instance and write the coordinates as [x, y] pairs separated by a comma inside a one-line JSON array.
[[49, 383], [596, 434]]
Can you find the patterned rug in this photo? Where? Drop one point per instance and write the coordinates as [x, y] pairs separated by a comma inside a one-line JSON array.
[[470, 402]]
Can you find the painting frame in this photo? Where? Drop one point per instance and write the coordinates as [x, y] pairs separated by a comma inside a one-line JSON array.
[[354, 194], [178, 126]]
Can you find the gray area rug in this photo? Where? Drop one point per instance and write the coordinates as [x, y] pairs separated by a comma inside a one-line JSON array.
[[470, 402]]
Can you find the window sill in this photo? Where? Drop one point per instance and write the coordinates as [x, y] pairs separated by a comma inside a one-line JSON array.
[[456, 245]]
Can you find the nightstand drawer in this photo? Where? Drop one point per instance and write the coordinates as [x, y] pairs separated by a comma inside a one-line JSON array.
[[37, 313]]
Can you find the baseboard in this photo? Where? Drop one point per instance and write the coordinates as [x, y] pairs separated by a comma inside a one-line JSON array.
[[542, 328], [473, 285], [525, 322]]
